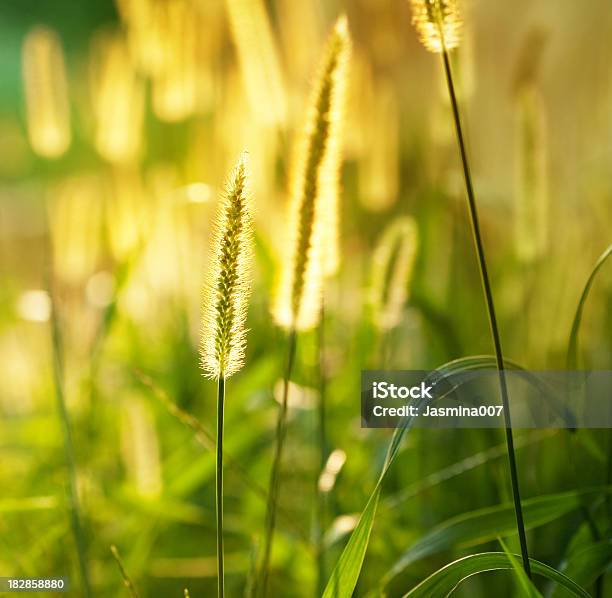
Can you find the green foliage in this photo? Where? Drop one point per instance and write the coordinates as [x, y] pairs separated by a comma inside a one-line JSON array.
[[445, 580]]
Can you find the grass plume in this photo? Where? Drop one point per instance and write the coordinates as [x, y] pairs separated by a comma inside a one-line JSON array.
[[531, 222], [392, 268], [313, 225], [438, 25], [314, 194], [228, 284], [226, 296], [258, 57], [174, 92], [117, 97], [46, 92]]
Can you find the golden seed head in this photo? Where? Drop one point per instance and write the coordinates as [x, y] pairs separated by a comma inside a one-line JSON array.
[[531, 193], [46, 92], [313, 217], [118, 99], [253, 37], [228, 284], [392, 268], [438, 23]]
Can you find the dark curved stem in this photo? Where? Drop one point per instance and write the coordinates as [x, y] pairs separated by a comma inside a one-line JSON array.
[[486, 286], [281, 431], [219, 486]]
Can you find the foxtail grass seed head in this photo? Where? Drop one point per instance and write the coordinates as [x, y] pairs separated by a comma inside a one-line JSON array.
[[175, 85], [46, 93], [118, 99], [76, 222], [379, 164], [258, 57], [329, 174], [313, 212], [392, 268], [228, 285], [438, 23], [531, 195]]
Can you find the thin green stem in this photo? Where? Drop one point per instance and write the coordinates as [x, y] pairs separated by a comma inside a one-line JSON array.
[[492, 318], [320, 511], [127, 581], [58, 379], [322, 428], [272, 505], [219, 486], [57, 353]]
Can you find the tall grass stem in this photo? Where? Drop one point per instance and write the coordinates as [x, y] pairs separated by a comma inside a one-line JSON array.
[[127, 582], [320, 508], [58, 380], [272, 505], [491, 312], [219, 486]]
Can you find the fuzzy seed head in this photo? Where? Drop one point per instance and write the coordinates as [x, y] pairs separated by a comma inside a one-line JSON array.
[[228, 284], [438, 23], [531, 195], [392, 268], [313, 215], [46, 92], [117, 99]]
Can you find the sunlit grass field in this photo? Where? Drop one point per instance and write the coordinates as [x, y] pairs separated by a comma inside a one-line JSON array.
[[120, 126]]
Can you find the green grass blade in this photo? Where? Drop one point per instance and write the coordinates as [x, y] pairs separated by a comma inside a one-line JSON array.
[[346, 573], [572, 349], [526, 584], [483, 525], [446, 579], [587, 564], [344, 577], [475, 363]]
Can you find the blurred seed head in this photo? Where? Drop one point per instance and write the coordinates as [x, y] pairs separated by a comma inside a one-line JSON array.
[[438, 23], [128, 213], [175, 79], [392, 268], [258, 57], [75, 218], [531, 194], [143, 21], [329, 172], [379, 160], [313, 217], [46, 92], [228, 282], [117, 97]]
